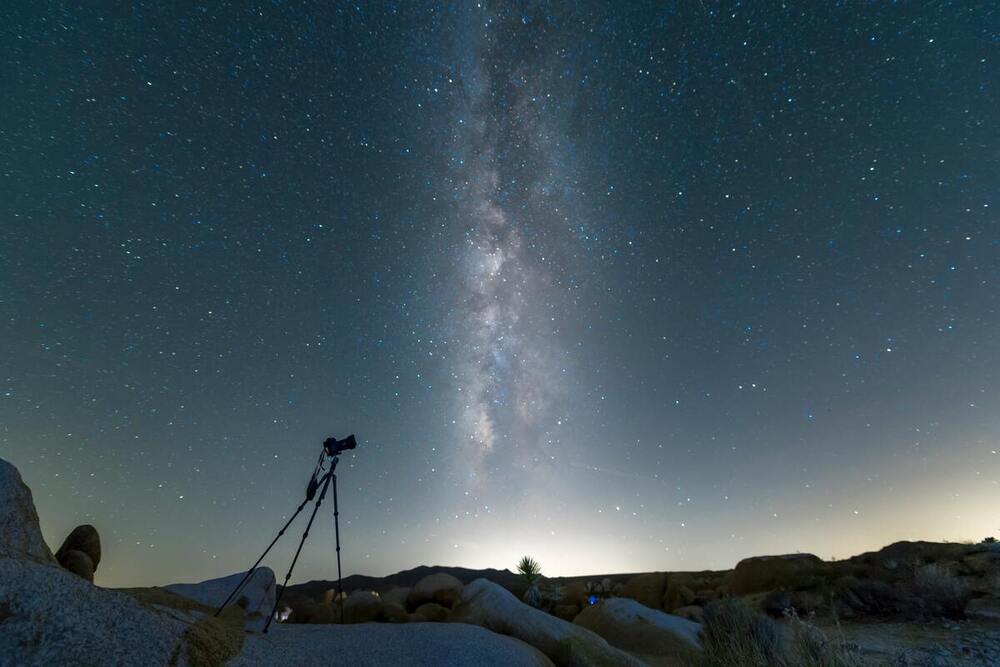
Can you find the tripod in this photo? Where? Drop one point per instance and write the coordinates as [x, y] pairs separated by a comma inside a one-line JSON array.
[[320, 480]]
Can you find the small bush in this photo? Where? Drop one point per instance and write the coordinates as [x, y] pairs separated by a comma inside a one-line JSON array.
[[808, 646], [736, 636], [941, 590]]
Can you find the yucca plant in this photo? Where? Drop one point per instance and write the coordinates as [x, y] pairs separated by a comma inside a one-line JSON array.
[[530, 570]]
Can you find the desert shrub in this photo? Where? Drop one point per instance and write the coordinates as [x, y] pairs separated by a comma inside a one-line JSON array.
[[941, 590], [808, 646], [737, 636]]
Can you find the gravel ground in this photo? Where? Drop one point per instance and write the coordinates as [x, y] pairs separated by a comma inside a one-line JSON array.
[[932, 644], [378, 644]]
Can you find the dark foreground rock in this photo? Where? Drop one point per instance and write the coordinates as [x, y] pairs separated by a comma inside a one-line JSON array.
[[378, 645], [80, 552], [20, 536], [53, 617]]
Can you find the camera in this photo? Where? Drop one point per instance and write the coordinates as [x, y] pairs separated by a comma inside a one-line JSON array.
[[333, 446]]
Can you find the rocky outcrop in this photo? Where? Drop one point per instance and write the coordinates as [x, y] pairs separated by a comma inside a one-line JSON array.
[[361, 607], [636, 628], [54, 617], [646, 589], [442, 588], [566, 644], [767, 573], [410, 644], [20, 536], [256, 598]]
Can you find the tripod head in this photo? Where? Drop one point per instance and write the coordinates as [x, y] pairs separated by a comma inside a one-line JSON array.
[[333, 447]]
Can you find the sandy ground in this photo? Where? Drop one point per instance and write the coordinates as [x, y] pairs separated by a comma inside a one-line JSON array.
[[379, 644]]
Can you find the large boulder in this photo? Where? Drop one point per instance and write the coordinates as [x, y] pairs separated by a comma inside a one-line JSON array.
[[646, 589], [78, 563], [767, 573], [493, 607], [256, 598], [53, 617], [677, 595], [83, 538], [362, 607], [372, 644], [636, 628], [441, 587], [431, 611], [396, 596], [20, 536], [80, 552]]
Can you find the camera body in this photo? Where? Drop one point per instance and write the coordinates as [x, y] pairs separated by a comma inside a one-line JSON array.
[[333, 446]]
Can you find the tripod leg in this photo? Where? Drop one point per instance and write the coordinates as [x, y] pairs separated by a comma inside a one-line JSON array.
[[246, 577], [319, 501], [336, 531]]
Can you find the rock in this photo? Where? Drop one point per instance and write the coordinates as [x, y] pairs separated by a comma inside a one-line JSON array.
[[394, 613], [54, 617], [766, 573], [488, 605], [83, 538], [20, 536], [636, 628], [566, 612], [677, 595], [870, 597], [987, 609], [691, 613], [361, 607], [647, 589], [411, 644], [331, 596], [256, 598], [442, 588], [306, 610], [396, 596], [432, 611], [78, 563], [574, 593]]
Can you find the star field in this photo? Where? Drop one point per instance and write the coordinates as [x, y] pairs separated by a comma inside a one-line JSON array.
[[621, 286]]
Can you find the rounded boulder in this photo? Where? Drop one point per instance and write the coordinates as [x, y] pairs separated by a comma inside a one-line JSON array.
[[441, 588]]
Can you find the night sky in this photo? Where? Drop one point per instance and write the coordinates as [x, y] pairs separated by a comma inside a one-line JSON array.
[[622, 286]]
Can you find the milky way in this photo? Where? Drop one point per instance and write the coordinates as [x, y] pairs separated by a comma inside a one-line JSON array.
[[622, 286]]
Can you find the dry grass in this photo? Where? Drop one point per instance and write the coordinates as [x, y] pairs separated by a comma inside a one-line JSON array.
[[737, 636], [207, 642], [941, 589]]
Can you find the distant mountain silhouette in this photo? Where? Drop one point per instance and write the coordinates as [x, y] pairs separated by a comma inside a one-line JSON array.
[[315, 589]]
